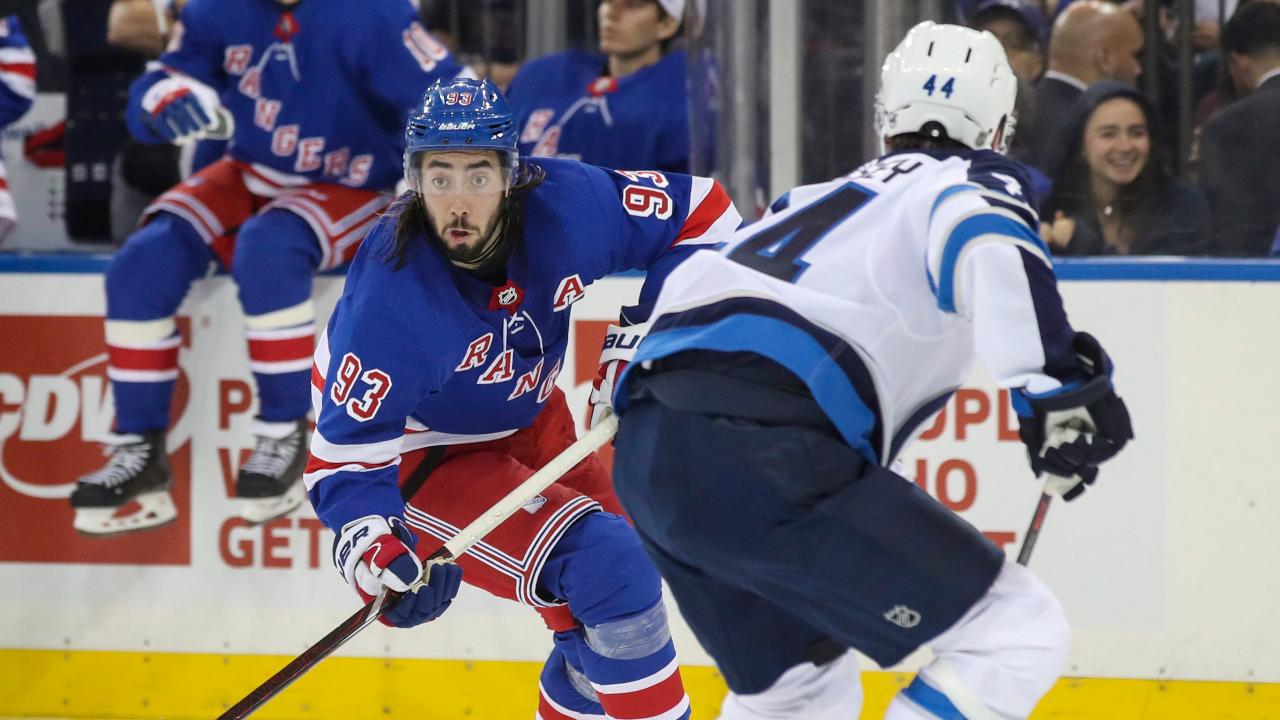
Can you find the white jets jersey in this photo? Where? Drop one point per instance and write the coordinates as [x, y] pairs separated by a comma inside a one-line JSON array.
[[880, 289]]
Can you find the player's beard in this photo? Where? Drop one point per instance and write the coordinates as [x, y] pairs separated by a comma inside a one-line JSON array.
[[473, 256]]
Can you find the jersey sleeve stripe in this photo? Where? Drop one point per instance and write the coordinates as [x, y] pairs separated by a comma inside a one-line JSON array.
[[948, 193], [782, 203], [318, 470], [832, 369], [713, 212], [375, 453], [415, 439], [974, 230], [319, 366], [1020, 209]]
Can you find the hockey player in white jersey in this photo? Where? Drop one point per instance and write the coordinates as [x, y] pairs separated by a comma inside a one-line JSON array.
[[782, 375]]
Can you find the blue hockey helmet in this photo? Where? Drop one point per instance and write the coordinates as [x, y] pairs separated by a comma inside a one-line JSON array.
[[459, 115]]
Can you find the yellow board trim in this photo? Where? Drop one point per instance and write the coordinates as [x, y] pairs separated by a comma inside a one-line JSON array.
[[99, 685]]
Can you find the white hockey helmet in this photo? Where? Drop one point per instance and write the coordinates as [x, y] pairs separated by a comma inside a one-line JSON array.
[[948, 79]]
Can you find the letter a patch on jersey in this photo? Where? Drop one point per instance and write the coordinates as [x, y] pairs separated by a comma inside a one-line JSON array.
[[569, 292]]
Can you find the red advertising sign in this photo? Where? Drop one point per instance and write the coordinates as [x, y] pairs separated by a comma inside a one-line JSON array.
[[55, 401]]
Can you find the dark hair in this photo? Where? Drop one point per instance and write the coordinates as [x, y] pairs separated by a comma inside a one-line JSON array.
[[1137, 203], [1028, 36], [410, 215], [1253, 29], [919, 141]]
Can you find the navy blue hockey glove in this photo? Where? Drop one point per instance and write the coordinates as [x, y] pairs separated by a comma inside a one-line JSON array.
[[1071, 431], [181, 109], [430, 601], [373, 552]]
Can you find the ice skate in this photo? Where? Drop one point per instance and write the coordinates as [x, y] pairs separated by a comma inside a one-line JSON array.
[[270, 482], [131, 492]]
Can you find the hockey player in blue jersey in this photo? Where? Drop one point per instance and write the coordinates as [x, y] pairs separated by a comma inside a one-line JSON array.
[[315, 106], [624, 107], [17, 93], [435, 390], [783, 374]]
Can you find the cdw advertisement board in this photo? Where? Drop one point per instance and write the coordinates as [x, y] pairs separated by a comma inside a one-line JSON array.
[[55, 402], [1127, 559]]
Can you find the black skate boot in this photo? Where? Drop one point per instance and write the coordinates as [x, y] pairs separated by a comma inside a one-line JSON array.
[[139, 471], [270, 482]]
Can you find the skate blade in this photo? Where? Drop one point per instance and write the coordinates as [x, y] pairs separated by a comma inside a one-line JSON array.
[[260, 510], [154, 509]]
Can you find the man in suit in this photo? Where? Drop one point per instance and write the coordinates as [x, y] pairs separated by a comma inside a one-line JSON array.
[[1091, 41], [1239, 146]]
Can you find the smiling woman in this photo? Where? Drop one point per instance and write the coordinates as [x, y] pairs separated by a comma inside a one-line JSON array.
[[1113, 192]]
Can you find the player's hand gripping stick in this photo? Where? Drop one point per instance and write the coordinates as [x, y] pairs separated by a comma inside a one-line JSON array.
[[384, 602]]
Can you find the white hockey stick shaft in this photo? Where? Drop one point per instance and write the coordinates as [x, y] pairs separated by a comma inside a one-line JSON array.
[[526, 491]]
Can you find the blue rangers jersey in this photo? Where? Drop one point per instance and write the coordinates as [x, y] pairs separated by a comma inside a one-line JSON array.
[[319, 90], [431, 355], [567, 106], [17, 72], [17, 93], [879, 290]]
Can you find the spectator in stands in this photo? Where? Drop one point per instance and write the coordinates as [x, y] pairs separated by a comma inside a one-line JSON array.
[[482, 35], [1114, 193], [17, 93], [1223, 91], [1240, 146], [624, 107], [1091, 41], [1020, 26]]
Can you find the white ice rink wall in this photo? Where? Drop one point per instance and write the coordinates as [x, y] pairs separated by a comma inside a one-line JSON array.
[[1168, 567]]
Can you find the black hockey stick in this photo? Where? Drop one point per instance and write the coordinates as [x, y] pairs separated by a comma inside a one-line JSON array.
[[469, 535], [1033, 531]]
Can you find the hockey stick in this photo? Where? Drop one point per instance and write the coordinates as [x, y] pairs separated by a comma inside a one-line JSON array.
[[469, 535], [1062, 435], [1033, 531]]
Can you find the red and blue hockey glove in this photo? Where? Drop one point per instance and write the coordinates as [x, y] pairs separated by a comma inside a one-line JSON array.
[[620, 345], [374, 552], [1071, 431], [182, 110]]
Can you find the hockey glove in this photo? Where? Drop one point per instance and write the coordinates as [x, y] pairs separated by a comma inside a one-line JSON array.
[[620, 345], [372, 552], [182, 110], [1071, 431]]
